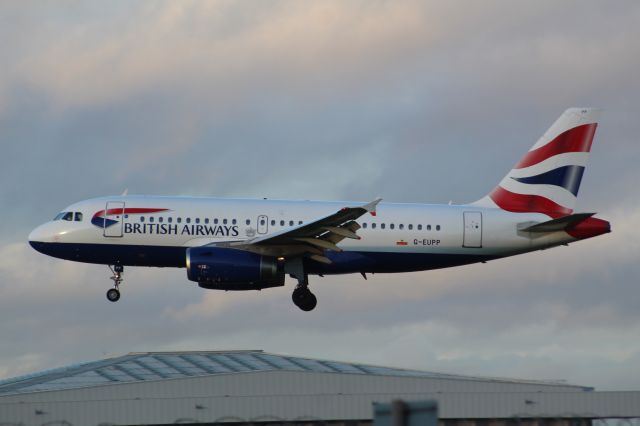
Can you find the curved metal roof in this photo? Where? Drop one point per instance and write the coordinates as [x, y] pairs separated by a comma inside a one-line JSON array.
[[146, 366]]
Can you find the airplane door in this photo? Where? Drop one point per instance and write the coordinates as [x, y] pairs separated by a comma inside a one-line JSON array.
[[263, 224], [113, 219], [472, 229]]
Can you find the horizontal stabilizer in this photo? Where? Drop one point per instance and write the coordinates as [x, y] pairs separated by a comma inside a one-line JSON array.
[[560, 224]]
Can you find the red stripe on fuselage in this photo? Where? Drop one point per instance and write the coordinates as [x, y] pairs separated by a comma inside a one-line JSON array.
[[521, 203], [132, 210], [578, 139]]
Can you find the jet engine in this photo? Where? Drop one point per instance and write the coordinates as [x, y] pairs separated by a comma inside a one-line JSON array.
[[220, 268]]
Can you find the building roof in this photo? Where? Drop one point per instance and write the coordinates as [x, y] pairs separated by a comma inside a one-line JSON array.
[[148, 366]]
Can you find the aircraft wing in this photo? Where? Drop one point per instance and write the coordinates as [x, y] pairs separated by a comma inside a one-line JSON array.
[[312, 238]]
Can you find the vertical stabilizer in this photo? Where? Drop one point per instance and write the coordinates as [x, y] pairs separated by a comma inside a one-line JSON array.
[[547, 179]]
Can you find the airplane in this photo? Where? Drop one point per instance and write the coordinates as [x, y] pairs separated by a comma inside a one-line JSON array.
[[247, 244]]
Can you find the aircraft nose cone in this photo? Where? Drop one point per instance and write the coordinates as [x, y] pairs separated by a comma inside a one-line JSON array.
[[38, 237]]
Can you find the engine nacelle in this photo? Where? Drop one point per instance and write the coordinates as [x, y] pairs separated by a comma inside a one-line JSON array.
[[230, 269]]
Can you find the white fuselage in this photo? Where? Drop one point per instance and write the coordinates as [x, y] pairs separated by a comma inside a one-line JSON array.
[[432, 236]]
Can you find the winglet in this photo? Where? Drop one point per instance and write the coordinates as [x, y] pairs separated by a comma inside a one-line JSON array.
[[371, 207]]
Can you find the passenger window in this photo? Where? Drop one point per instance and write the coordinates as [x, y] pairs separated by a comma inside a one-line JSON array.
[[206, 220], [160, 219], [141, 218], [401, 226], [170, 219], [262, 222], [419, 227], [373, 226], [215, 221], [410, 227], [188, 220], [392, 226], [197, 220], [428, 227], [224, 221], [382, 226], [291, 223], [248, 222], [282, 223], [151, 219], [437, 227], [233, 221], [78, 217], [273, 222], [179, 220], [299, 222], [364, 225]]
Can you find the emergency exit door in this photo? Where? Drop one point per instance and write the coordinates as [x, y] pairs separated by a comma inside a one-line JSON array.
[[472, 229]]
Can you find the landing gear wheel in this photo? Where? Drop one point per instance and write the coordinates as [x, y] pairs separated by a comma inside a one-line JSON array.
[[113, 294], [304, 299]]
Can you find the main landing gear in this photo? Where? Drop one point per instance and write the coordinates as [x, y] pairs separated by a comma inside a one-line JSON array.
[[302, 296], [113, 294]]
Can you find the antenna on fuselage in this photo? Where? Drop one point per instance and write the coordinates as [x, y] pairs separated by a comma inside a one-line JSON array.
[[125, 192]]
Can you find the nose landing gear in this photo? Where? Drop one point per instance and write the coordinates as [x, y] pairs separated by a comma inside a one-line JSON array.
[[113, 294]]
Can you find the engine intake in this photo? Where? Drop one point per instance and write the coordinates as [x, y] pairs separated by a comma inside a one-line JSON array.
[[230, 269]]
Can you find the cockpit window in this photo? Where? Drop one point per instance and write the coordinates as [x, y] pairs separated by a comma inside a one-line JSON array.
[[69, 216]]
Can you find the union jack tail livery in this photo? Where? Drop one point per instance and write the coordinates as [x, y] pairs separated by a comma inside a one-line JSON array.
[[547, 179]]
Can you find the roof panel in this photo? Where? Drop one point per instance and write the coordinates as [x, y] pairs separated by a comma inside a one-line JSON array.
[[136, 367]]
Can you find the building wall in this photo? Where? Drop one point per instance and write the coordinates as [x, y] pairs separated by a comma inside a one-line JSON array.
[[298, 396]]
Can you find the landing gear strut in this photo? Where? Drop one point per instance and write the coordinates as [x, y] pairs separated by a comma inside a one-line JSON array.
[[113, 294], [302, 296]]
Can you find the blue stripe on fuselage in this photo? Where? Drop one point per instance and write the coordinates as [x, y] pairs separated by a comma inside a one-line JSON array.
[[343, 263]]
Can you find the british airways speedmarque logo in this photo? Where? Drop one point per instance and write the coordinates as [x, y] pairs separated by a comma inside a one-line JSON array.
[[104, 218]]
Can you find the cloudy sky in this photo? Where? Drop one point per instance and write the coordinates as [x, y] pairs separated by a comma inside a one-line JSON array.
[[413, 101]]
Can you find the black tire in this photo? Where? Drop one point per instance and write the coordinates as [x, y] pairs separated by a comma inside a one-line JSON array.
[[299, 295], [309, 302], [113, 295]]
